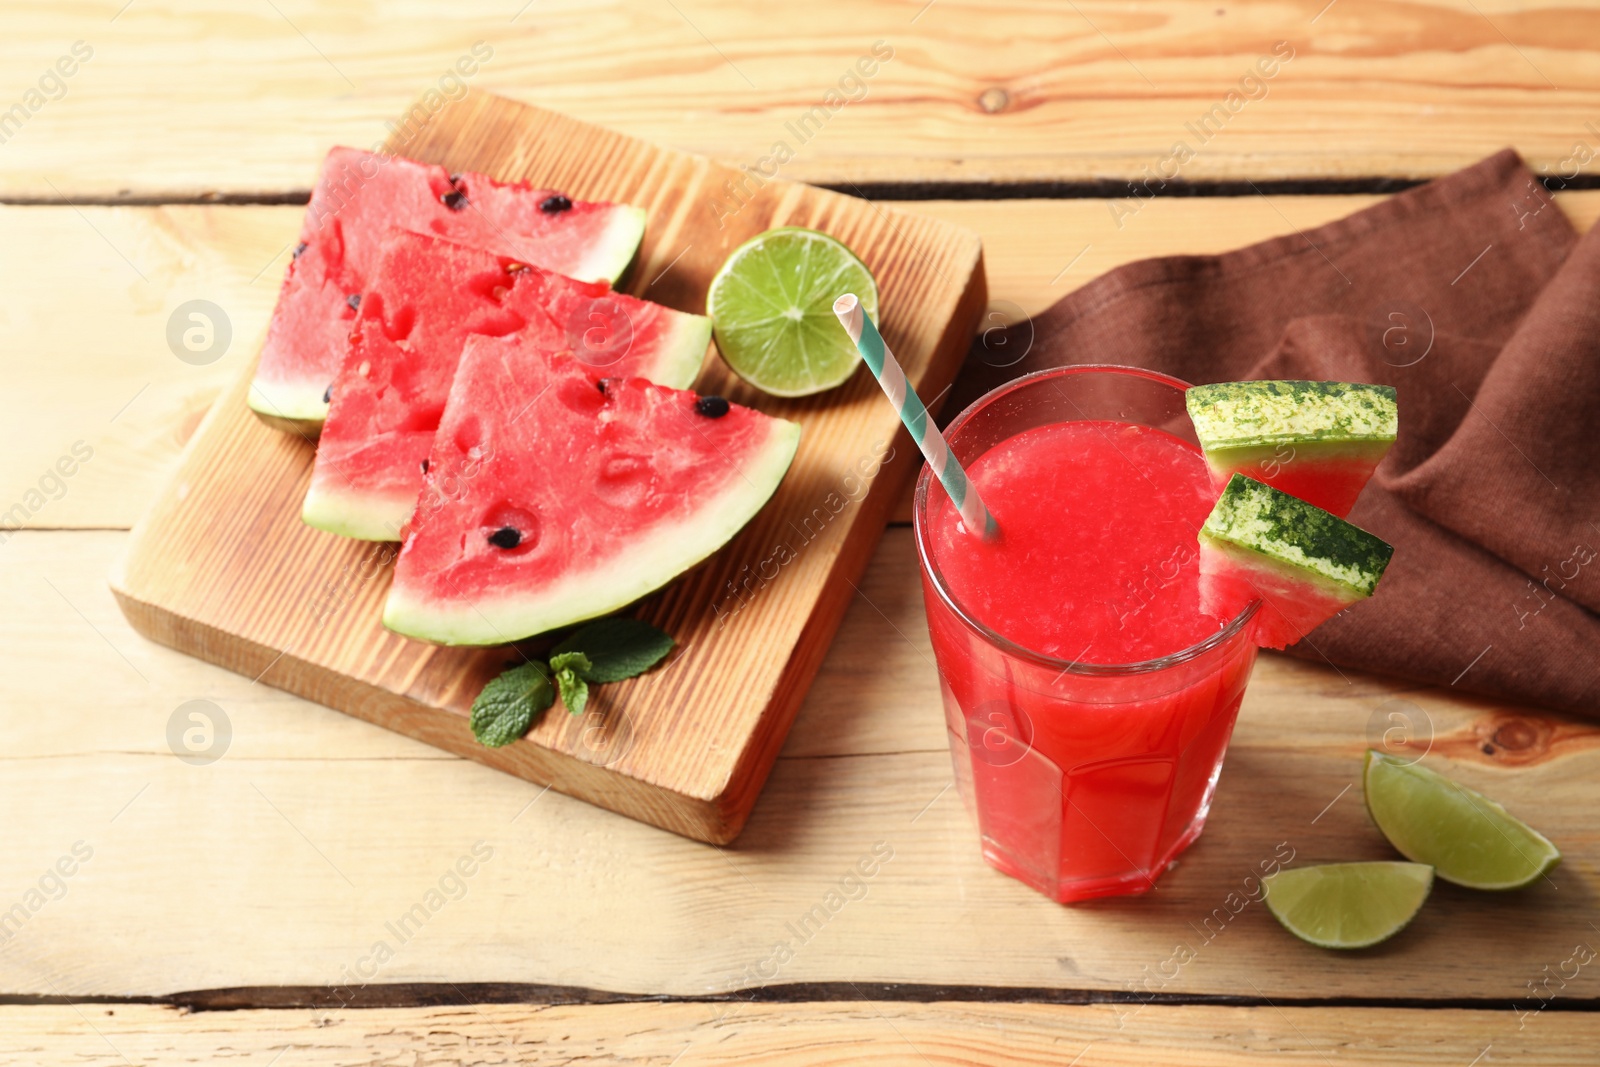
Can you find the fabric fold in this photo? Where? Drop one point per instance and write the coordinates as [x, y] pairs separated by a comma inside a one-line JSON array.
[[1521, 474], [1451, 612], [1474, 297]]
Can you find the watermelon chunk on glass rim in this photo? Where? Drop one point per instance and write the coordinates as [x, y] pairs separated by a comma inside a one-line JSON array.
[[360, 198], [1319, 441], [551, 499], [427, 297], [1304, 564]]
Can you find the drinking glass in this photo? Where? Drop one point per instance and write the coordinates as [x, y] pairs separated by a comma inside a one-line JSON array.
[[1084, 779]]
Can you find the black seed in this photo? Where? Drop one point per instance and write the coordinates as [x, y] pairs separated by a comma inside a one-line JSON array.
[[601, 384], [424, 466], [455, 200], [327, 394], [301, 247], [552, 205], [354, 300], [506, 537], [712, 407], [454, 178]]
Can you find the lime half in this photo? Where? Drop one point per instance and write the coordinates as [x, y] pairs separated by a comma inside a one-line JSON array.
[[771, 307], [1348, 905], [1468, 838]]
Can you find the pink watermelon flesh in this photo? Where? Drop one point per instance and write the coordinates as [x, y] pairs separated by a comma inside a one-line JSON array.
[[1319, 441], [359, 199], [1291, 606], [1302, 563], [551, 498], [1329, 476], [427, 297]]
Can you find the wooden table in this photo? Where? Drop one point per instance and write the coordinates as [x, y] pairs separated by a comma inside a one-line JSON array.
[[247, 908]]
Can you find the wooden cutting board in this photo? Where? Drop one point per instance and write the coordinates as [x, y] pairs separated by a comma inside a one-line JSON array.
[[221, 567]]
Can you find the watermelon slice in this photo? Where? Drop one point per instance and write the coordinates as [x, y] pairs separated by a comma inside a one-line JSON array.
[[427, 296], [1318, 441], [359, 199], [1304, 564], [551, 498]]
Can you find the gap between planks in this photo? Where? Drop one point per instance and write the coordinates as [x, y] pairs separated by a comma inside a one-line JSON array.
[[379, 997], [909, 191]]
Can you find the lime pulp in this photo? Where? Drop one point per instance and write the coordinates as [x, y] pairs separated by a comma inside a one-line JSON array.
[[1348, 905], [1468, 838], [771, 306]]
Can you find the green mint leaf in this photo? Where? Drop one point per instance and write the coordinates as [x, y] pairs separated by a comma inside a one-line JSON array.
[[617, 648], [574, 690], [508, 705], [576, 662]]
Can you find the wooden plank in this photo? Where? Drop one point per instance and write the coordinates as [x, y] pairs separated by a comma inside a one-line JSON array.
[[791, 1035], [212, 97], [234, 257], [282, 862], [1037, 251], [223, 568], [87, 346]]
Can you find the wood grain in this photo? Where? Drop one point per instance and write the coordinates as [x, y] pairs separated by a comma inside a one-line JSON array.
[[77, 379], [1011, 91], [281, 863], [215, 876], [86, 344], [791, 1035], [223, 568]]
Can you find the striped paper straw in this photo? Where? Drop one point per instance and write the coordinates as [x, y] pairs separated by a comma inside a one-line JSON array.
[[881, 361]]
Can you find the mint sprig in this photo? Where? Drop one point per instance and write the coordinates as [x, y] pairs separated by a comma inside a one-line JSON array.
[[508, 705], [571, 669], [617, 648], [609, 650]]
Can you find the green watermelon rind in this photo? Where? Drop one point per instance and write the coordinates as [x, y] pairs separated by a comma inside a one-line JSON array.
[[612, 254], [681, 357], [295, 407], [363, 516], [1257, 525], [652, 561], [1237, 415], [1257, 455]]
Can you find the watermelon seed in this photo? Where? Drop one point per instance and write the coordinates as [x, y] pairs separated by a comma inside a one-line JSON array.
[[455, 200], [601, 385], [301, 247], [327, 394], [516, 268], [506, 537], [354, 300], [552, 205], [424, 466], [712, 407]]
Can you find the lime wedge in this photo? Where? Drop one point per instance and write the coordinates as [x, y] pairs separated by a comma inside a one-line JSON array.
[[771, 306], [1348, 905], [1468, 838]]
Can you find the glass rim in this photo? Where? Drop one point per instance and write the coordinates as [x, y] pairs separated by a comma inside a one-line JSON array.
[[936, 578]]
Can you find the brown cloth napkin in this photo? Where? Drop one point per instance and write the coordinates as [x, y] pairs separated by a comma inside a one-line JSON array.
[[1472, 296]]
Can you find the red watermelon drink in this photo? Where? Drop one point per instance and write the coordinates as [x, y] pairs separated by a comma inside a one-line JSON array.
[[1089, 699]]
